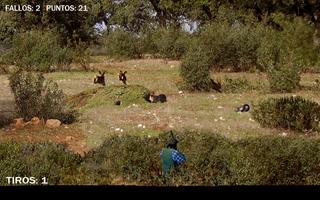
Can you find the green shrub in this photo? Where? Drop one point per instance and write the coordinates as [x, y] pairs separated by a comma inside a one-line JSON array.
[[282, 67], [49, 160], [27, 89], [298, 36], [122, 44], [81, 55], [211, 160], [236, 85], [293, 113], [38, 51], [36, 97], [284, 79], [274, 160], [137, 158], [195, 71], [284, 54], [171, 42], [231, 45]]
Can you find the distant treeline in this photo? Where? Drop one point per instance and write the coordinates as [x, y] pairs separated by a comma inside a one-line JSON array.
[[278, 37]]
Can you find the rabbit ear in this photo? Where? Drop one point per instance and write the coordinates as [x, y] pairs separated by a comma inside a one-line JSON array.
[[103, 72], [125, 72], [100, 72]]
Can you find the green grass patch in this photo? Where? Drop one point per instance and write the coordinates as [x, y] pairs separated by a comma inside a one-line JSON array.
[[127, 94]]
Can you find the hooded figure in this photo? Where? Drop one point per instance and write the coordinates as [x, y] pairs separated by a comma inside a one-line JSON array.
[[170, 156]]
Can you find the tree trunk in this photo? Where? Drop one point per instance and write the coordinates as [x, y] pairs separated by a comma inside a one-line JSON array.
[[161, 14]]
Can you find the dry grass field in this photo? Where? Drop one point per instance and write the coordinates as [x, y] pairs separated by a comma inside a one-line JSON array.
[[211, 111]]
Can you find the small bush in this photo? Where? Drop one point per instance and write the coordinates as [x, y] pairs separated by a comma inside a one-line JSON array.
[[282, 66], [195, 71], [38, 51], [36, 97], [236, 85], [293, 113], [284, 79], [49, 160], [298, 36], [27, 89], [137, 158], [81, 55], [274, 160], [122, 44], [171, 42], [231, 46]]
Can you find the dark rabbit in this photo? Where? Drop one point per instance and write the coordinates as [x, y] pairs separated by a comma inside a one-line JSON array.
[[99, 79], [122, 77], [157, 98]]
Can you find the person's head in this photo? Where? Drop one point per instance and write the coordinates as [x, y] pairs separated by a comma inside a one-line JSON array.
[[172, 144]]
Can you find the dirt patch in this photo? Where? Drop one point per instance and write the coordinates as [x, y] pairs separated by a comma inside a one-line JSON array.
[[71, 136]]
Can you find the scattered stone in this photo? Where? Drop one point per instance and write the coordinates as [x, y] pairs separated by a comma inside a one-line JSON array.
[[53, 123], [284, 134], [180, 92], [121, 130], [215, 120], [220, 107], [143, 126], [18, 123], [35, 121], [69, 138], [221, 118], [251, 120], [117, 129]]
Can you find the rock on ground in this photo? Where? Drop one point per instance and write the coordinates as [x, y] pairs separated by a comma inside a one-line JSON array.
[[53, 123]]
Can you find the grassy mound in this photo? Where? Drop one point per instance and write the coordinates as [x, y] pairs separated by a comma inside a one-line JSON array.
[[127, 94]]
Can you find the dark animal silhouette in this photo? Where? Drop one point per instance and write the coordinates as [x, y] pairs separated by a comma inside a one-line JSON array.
[[157, 98], [243, 108], [216, 85], [122, 77], [173, 142], [117, 102], [99, 79]]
